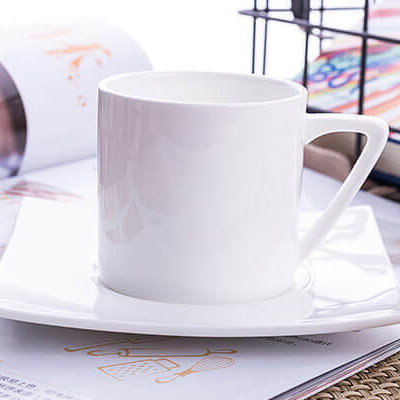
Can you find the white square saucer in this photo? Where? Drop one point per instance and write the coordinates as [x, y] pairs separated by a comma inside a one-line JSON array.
[[47, 276]]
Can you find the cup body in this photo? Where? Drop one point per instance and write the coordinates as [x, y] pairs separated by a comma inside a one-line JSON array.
[[199, 182]]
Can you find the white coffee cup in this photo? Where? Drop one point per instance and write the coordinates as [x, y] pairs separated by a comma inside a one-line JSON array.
[[199, 182]]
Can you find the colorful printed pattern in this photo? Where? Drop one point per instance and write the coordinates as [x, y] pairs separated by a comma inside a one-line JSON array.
[[334, 75]]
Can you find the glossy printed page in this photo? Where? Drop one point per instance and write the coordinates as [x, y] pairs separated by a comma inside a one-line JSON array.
[[48, 111], [99, 365]]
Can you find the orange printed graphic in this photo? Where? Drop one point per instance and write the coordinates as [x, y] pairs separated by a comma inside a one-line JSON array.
[[206, 364], [154, 355], [147, 352], [140, 367], [84, 49], [79, 53], [75, 54], [138, 339]]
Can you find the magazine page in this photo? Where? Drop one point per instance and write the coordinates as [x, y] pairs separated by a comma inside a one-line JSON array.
[[68, 182], [48, 89], [47, 361]]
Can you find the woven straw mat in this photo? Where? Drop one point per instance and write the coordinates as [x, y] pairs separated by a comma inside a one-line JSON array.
[[379, 382]]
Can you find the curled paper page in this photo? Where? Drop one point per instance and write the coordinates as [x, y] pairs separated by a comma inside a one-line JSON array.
[[48, 96]]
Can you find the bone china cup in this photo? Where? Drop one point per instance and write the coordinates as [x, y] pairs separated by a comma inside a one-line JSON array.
[[199, 182]]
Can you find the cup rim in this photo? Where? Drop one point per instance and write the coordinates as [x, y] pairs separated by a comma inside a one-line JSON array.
[[104, 84]]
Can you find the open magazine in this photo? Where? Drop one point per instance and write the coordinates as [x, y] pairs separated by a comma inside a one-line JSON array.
[[47, 118], [48, 90]]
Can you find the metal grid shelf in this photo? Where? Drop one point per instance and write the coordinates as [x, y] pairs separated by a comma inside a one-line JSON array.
[[269, 14]]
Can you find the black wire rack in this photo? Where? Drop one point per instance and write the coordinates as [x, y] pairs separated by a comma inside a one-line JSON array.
[[299, 14]]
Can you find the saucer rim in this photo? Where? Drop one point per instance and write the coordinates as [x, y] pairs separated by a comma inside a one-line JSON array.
[[19, 311]]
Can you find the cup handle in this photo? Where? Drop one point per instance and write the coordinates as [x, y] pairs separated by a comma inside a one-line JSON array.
[[376, 131]]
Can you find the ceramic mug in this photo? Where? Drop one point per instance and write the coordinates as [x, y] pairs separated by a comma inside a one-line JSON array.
[[199, 182]]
